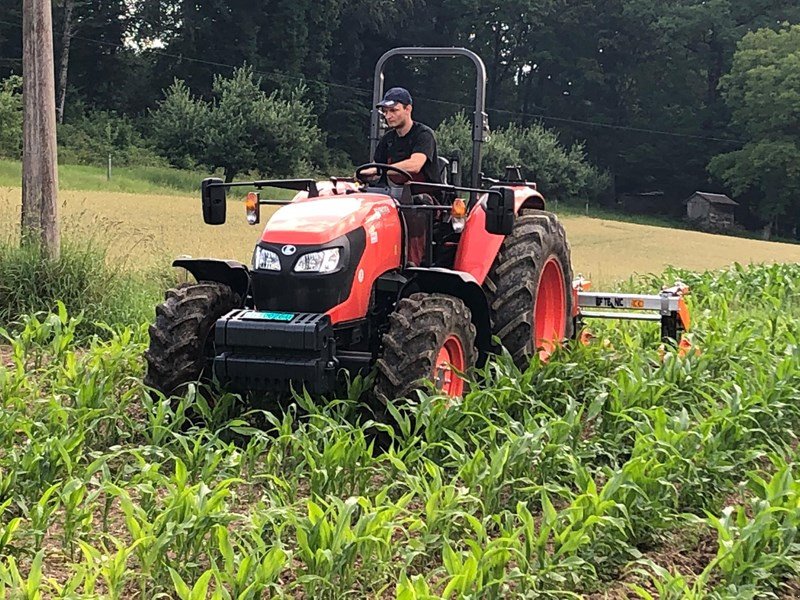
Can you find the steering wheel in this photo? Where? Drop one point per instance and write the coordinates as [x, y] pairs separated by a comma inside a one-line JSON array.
[[383, 173]]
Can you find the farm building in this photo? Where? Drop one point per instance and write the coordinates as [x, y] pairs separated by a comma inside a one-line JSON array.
[[714, 212]]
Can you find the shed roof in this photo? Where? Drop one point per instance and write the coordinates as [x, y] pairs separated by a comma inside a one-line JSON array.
[[716, 198]]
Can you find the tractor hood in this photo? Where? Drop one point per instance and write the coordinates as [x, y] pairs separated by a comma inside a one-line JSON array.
[[321, 220]]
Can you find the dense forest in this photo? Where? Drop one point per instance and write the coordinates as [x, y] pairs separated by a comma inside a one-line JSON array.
[[636, 96]]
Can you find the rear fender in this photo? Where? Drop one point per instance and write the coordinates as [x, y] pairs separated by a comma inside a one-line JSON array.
[[459, 285], [527, 197], [229, 272]]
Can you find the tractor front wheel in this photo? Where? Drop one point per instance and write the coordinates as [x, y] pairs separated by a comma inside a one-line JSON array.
[[529, 288], [431, 337], [182, 338]]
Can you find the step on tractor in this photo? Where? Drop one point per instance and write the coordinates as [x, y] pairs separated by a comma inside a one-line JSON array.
[[413, 281]]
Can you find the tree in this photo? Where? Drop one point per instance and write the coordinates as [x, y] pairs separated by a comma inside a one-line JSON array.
[[763, 93], [11, 117], [178, 126], [243, 129], [98, 63], [561, 173], [67, 31]]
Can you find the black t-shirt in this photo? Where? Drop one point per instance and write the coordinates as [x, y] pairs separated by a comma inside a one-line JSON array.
[[393, 148]]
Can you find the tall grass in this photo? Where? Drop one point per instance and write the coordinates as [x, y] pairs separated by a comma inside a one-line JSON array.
[[84, 281]]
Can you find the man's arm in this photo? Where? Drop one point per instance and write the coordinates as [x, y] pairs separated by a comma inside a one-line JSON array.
[[411, 165], [414, 164]]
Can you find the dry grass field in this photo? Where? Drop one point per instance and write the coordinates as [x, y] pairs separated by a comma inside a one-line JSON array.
[[145, 229]]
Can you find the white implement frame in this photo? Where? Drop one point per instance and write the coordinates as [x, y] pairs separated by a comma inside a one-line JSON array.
[[667, 307]]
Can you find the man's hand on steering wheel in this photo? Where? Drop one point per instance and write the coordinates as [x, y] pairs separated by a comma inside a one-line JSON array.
[[367, 173]]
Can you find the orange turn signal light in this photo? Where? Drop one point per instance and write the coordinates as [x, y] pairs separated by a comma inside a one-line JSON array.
[[459, 210], [252, 205]]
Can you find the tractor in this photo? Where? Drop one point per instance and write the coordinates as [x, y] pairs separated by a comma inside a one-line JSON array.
[[332, 287]]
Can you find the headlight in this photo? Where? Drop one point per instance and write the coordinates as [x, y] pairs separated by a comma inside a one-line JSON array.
[[266, 260], [323, 261]]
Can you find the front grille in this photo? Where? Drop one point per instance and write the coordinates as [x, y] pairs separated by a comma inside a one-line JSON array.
[[288, 291]]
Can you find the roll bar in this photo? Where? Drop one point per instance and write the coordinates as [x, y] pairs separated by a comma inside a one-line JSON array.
[[480, 121]]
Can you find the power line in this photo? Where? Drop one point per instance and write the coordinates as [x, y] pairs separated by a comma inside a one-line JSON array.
[[368, 93], [594, 123]]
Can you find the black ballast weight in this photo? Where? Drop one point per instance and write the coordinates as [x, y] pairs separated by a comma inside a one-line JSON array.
[[255, 353]]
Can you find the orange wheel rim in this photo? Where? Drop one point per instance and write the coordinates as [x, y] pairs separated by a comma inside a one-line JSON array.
[[450, 362], [550, 309]]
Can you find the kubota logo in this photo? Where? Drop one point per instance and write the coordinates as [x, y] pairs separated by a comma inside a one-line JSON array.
[[288, 250]]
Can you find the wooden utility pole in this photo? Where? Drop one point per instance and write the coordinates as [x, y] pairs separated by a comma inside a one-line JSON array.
[[39, 166]]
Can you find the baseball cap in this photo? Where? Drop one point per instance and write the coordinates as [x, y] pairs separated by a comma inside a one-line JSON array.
[[395, 95]]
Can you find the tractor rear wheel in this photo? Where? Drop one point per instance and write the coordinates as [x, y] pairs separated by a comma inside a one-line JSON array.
[[431, 337], [182, 338], [529, 288]]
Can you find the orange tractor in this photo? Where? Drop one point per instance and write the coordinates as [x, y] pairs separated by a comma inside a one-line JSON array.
[[331, 286]]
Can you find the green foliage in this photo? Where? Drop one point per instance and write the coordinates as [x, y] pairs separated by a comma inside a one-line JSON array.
[[179, 126], [550, 482], [763, 92], [561, 173], [83, 280], [637, 81], [762, 87], [11, 117], [243, 130], [93, 137]]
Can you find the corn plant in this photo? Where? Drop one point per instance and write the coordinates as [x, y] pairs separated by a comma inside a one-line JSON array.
[[329, 541], [670, 585], [247, 572], [199, 591], [19, 586], [110, 566], [551, 481], [758, 549]]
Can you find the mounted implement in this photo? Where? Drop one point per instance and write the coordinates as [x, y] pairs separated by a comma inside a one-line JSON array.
[[408, 278], [668, 308]]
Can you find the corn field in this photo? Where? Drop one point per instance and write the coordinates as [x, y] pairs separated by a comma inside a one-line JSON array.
[[616, 470]]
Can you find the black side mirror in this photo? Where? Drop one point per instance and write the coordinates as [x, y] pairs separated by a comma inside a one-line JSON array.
[[214, 204], [500, 211]]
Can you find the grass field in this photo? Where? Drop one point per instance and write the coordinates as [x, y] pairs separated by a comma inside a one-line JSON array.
[[147, 229], [135, 180]]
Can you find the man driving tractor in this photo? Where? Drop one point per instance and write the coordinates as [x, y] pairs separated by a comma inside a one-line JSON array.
[[410, 146], [407, 145]]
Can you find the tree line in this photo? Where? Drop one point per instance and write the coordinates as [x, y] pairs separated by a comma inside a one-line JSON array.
[[672, 96]]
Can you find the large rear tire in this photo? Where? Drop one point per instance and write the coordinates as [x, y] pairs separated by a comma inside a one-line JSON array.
[[529, 288], [182, 338], [431, 337]]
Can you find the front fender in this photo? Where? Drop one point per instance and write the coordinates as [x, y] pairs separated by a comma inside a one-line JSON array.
[[229, 272]]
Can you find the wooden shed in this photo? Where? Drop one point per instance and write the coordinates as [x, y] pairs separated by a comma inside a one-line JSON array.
[[714, 212]]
